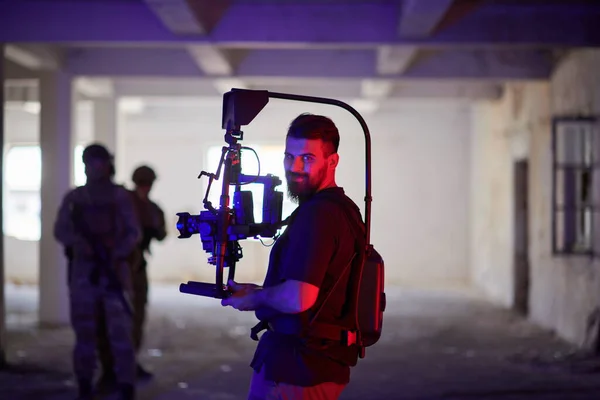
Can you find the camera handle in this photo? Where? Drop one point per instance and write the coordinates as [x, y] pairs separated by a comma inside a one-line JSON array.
[[230, 160]]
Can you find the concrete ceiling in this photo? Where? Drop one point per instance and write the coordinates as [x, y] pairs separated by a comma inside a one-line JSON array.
[[372, 49]]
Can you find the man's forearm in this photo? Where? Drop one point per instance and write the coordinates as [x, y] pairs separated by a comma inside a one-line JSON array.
[[289, 297], [280, 298]]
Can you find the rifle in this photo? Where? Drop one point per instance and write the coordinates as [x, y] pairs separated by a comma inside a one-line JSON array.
[[69, 257], [103, 261]]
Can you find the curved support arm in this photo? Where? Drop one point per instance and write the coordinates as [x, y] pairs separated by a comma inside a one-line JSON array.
[[365, 128]]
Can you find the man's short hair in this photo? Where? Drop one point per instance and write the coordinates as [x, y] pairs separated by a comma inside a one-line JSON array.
[[310, 126]]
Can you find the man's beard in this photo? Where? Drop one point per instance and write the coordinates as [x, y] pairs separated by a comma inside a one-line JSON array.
[[305, 189]]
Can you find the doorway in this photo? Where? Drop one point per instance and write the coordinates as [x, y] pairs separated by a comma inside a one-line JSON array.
[[521, 236]]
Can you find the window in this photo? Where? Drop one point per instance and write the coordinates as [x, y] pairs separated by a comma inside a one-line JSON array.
[[576, 159], [271, 162], [22, 181], [79, 177], [22, 178]]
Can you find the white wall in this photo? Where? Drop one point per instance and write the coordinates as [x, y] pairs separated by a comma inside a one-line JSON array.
[[565, 291], [501, 135], [420, 182], [420, 212]]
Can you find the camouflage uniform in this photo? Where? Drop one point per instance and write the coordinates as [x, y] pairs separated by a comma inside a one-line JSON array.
[[152, 224], [107, 212], [152, 220]]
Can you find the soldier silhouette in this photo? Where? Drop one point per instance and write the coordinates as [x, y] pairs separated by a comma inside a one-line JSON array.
[[98, 226]]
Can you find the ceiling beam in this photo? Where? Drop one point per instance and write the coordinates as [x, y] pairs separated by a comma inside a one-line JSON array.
[[394, 60], [189, 17], [391, 61], [33, 56], [291, 24], [350, 89], [309, 63], [211, 60], [331, 64], [459, 9], [181, 87], [13, 70], [177, 16], [500, 64], [343, 88], [418, 18], [216, 61], [142, 62], [95, 87], [447, 89], [197, 17]]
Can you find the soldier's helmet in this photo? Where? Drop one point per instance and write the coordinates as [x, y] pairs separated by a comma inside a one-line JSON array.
[[143, 175], [96, 151]]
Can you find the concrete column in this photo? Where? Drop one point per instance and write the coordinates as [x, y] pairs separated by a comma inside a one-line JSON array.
[[123, 175], [56, 116], [2, 306], [105, 122]]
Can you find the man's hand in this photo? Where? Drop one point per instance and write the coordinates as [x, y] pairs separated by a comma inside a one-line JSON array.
[[245, 296]]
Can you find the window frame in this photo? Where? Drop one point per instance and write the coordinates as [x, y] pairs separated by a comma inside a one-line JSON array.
[[34, 190], [565, 215], [8, 148], [25, 191]]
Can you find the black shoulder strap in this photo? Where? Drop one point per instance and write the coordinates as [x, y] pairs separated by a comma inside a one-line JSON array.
[[351, 217], [350, 210]]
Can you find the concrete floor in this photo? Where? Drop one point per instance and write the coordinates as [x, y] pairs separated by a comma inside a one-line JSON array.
[[436, 345]]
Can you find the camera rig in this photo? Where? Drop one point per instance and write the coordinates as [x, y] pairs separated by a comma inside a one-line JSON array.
[[222, 228]]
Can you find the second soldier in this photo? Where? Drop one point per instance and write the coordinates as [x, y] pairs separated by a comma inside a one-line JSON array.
[[152, 225]]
